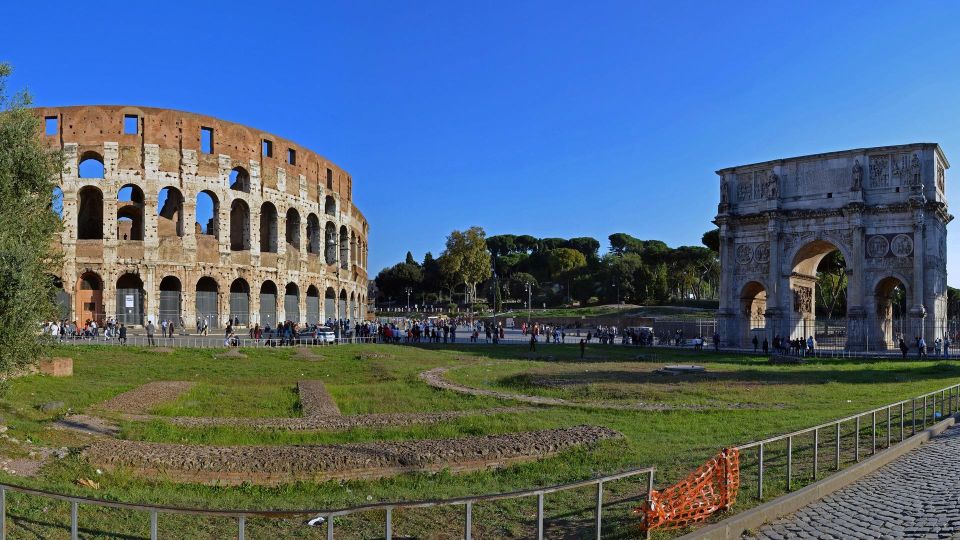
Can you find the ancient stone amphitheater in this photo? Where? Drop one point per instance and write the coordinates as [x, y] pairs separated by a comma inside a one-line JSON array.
[[170, 215]]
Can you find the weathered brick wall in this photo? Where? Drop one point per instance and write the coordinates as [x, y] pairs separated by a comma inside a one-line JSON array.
[[166, 152]]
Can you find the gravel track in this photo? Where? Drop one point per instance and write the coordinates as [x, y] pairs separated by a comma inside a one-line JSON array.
[[315, 400], [434, 377], [279, 464], [142, 399]]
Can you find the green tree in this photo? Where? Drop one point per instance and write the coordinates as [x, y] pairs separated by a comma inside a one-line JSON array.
[[564, 260], [586, 245], [410, 259], [518, 285], [28, 175], [711, 239], [502, 244], [466, 258], [432, 277]]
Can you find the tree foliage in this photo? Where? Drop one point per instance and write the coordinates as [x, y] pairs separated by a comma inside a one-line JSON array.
[[28, 175], [466, 258]]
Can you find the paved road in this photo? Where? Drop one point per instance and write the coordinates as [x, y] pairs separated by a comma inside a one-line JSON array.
[[917, 496]]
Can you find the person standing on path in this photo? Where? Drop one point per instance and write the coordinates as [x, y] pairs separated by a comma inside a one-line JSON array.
[[150, 330], [716, 341], [123, 334], [583, 347], [756, 342], [533, 341], [903, 348]]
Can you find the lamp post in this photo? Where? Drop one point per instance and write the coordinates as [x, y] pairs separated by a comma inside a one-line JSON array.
[[529, 298], [408, 290], [617, 287]]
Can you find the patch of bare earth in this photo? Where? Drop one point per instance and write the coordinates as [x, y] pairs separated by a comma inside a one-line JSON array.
[[270, 465], [143, 398], [315, 400]]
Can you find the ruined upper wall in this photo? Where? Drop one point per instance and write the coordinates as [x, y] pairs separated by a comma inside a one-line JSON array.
[[872, 176], [90, 126]]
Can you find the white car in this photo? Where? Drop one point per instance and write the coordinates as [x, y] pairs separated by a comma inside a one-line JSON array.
[[324, 334]]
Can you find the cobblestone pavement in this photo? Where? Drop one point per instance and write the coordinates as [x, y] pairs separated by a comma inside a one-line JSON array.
[[916, 496]]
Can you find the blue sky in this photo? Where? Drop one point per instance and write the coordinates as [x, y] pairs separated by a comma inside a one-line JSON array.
[[543, 118]]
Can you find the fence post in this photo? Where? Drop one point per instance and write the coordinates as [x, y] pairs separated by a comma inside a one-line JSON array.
[[649, 494], [540, 516], [760, 476], [888, 426], [242, 527], [873, 430], [790, 463], [816, 451], [330, 527], [389, 523], [838, 446], [856, 442], [153, 525], [923, 419], [73, 520], [913, 416], [901, 421], [3, 513], [599, 506], [468, 526]]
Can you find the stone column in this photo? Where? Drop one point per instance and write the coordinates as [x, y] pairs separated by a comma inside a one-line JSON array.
[[223, 303], [727, 319], [857, 326], [151, 286], [775, 311], [918, 312]]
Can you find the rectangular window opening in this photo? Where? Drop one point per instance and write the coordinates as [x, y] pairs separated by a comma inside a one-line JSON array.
[[267, 148], [829, 195], [898, 190], [329, 179], [131, 124], [291, 156], [206, 140], [51, 125]]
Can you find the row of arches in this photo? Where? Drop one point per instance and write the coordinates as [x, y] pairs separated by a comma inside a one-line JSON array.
[[131, 301], [91, 167], [817, 300], [344, 245]]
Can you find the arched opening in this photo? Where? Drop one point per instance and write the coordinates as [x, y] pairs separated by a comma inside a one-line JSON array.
[[56, 202], [208, 208], [313, 234], [353, 307], [342, 306], [268, 228], [240, 180], [313, 305], [131, 299], [130, 206], [330, 305], [170, 213], [331, 240], [91, 165], [344, 247], [753, 303], [818, 292], [291, 302], [330, 206], [89, 303], [293, 229], [207, 301], [890, 296], [268, 304], [239, 226], [240, 302], [170, 295], [90, 214]]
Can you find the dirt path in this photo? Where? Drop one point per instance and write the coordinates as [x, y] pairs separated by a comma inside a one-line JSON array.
[[315, 400], [142, 399], [231, 465]]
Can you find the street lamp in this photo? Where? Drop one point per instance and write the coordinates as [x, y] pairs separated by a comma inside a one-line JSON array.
[[615, 286], [408, 290], [529, 298]]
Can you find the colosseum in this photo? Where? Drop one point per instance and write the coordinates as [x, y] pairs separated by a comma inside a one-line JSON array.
[[171, 215]]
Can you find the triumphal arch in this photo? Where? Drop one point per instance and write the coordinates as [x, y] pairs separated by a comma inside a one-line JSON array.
[[884, 209]]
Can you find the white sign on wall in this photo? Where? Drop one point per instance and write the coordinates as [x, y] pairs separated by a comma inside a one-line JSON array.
[[128, 301]]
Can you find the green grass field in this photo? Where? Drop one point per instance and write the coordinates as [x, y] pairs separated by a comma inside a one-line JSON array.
[[745, 399]]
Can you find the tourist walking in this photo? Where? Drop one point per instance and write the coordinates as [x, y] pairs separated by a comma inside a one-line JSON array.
[[921, 348], [756, 343], [716, 341], [122, 332], [946, 346], [150, 330], [583, 347], [903, 348]]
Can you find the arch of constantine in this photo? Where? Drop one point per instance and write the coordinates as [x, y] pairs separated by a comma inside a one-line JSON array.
[[884, 209], [177, 216]]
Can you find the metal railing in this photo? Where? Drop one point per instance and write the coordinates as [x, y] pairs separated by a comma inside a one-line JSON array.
[[241, 516], [948, 402]]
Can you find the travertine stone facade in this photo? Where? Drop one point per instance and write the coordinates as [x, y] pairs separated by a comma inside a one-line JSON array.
[[285, 241], [884, 209]]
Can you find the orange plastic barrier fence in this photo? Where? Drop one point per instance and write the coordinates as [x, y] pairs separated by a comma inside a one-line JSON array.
[[709, 489]]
